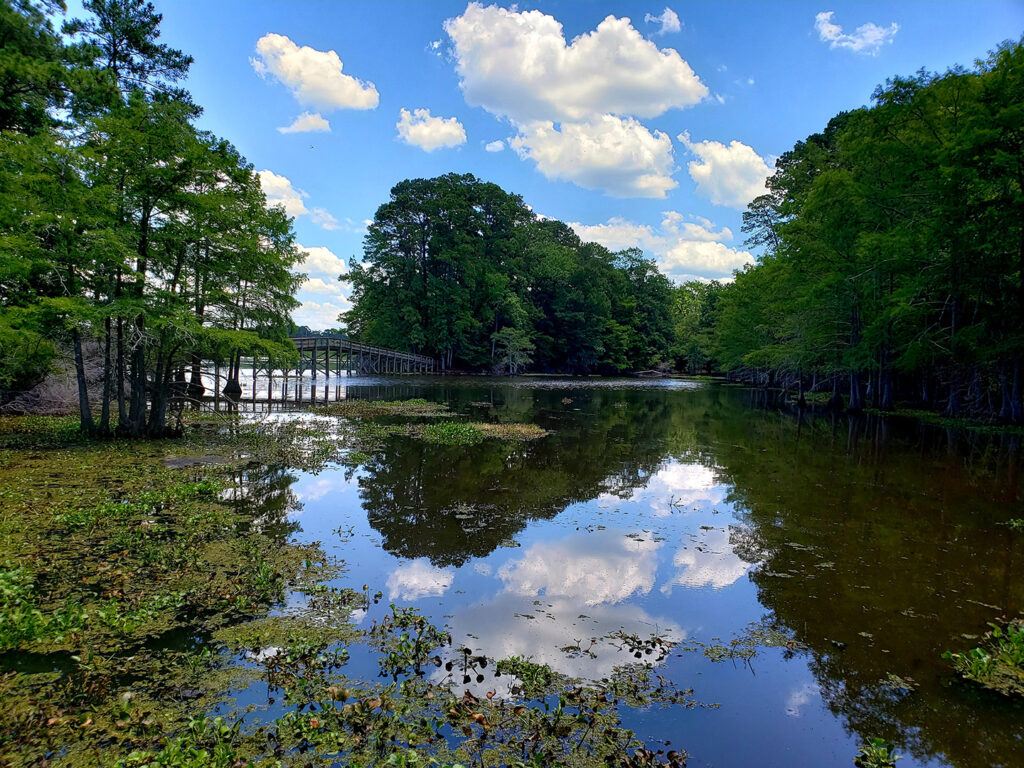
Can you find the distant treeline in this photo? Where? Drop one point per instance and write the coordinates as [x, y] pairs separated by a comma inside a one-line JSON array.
[[459, 269], [893, 254]]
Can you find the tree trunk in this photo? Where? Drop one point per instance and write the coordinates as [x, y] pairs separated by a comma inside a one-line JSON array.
[[856, 399], [953, 403], [122, 406], [137, 398], [107, 383], [84, 412], [836, 401], [1016, 407]]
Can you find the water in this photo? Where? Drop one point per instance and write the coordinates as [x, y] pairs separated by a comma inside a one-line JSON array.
[[693, 512]]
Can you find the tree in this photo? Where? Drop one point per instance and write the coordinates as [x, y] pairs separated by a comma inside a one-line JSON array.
[[127, 225]]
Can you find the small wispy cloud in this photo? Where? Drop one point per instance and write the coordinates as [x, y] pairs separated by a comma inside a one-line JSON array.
[[867, 38]]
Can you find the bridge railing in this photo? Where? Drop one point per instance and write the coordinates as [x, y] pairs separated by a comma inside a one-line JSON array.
[[343, 343]]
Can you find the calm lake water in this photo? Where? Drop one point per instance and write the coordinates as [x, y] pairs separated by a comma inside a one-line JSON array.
[[698, 514]]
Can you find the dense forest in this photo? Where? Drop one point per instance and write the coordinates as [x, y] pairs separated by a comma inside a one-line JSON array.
[[461, 270], [893, 254], [121, 224]]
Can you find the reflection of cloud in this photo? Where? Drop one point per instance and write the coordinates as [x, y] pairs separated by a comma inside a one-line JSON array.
[[800, 697], [677, 487], [417, 579], [503, 628], [606, 567], [317, 489], [710, 563]]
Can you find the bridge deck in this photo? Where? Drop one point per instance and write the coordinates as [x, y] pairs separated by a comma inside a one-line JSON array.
[[342, 353], [344, 344]]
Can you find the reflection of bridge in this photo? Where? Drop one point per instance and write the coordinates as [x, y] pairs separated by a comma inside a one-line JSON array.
[[339, 353]]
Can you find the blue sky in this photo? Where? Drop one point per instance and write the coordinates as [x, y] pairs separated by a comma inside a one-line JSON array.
[[653, 131]]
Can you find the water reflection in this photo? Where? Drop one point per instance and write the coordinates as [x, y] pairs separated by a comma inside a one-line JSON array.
[[418, 579], [603, 567], [709, 561], [877, 544]]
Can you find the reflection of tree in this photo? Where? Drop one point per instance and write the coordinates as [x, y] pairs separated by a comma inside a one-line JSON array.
[[880, 548], [265, 494], [874, 537], [450, 503]]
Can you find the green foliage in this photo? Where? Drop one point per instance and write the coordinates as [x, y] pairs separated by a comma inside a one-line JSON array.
[[693, 313], [25, 357], [20, 619], [459, 269], [207, 743], [452, 433], [126, 221], [534, 679], [878, 753], [890, 262], [998, 663]]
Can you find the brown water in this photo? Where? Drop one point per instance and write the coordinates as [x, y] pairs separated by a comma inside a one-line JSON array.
[[694, 511]]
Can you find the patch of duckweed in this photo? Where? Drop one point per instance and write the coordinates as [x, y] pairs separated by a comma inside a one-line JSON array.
[[451, 433], [375, 409], [420, 419], [998, 662]]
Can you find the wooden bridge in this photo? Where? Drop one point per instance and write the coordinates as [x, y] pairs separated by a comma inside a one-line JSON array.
[[339, 353], [318, 373]]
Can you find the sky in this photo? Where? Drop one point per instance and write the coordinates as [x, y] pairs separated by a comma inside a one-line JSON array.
[[638, 123]]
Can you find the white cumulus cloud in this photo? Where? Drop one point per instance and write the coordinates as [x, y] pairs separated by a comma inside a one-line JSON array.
[[867, 38], [321, 316], [279, 191], [730, 175], [669, 21], [421, 129], [319, 285], [686, 247], [314, 77], [307, 122], [495, 146], [322, 261], [614, 154], [519, 65]]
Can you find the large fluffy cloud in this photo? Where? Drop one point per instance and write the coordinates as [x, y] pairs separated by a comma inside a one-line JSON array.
[[519, 65], [685, 247], [279, 191], [314, 77], [423, 130], [730, 175], [321, 315], [867, 38], [322, 261], [617, 155], [575, 103]]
